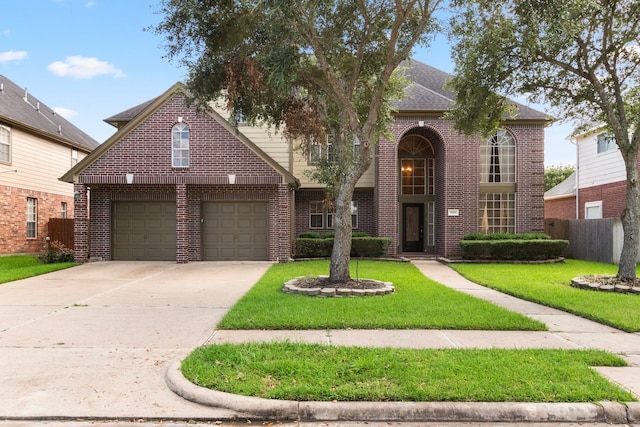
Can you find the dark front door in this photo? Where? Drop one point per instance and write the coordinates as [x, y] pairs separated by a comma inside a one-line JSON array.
[[413, 227]]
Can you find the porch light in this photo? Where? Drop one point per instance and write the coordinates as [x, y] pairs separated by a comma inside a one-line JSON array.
[[129, 178], [232, 179]]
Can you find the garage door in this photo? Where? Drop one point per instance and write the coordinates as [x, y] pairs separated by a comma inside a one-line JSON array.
[[235, 231], [144, 231]]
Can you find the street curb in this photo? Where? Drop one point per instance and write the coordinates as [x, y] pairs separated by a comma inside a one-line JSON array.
[[288, 410]]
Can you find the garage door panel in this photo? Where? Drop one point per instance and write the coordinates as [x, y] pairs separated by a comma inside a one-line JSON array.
[[144, 231], [235, 231]]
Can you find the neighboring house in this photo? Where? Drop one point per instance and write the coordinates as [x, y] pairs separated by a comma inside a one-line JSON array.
[[600, 179], [176, 184], [36, 147], [560, 201]]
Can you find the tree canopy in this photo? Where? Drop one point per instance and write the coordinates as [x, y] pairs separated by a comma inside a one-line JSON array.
[[554, 175], [318, 68], [581, 57]]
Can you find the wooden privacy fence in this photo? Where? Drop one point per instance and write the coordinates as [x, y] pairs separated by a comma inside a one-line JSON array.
[[61, 229], [589, 239]]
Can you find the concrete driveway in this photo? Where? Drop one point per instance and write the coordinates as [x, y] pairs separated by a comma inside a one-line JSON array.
[[95, 340]]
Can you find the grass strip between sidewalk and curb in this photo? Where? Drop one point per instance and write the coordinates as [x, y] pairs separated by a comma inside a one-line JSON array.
[[17, 267], [417, 303], [550, 285], [314, 372]]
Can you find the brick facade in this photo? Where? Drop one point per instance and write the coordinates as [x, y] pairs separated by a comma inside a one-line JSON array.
[[613, 197], [561, 208], [13, 218], [145, 152]]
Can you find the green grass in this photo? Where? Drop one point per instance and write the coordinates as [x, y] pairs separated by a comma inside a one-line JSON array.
[[549, 284], [16, 267], [309, 372], [418, 303]]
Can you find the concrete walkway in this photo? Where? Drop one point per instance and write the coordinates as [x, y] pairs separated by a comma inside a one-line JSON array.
[[96, 341]]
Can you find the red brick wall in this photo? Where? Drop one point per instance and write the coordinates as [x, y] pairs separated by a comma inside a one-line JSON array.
[[214, 154], [457, 180], [613, 197], [364, 197], [564, 208], [13, 218]]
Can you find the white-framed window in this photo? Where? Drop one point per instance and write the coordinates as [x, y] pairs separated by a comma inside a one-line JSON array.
[[74, 157], [5, 144], [322, 216], [497, 213], [316, 214], [498, 158], [63, 210], [593, 210], [319, 152], [180, 145], [32, 218], [606, 142]]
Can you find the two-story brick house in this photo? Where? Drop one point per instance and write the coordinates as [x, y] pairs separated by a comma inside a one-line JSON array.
[[174, 184], [36, 147]]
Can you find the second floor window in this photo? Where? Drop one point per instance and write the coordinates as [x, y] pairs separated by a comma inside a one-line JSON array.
[[180, 146], [606, 142], [498, 158], [5, 144]]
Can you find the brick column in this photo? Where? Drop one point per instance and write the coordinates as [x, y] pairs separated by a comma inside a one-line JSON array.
[[182, 225], [81, 223], [386, 194]]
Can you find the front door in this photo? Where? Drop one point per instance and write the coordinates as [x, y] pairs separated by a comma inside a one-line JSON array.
[[413, 227]]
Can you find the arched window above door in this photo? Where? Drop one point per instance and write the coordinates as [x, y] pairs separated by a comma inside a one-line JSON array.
[[417, 166], [415, 145]]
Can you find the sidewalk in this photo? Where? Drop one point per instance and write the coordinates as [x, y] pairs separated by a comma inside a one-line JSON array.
[[566, 331]]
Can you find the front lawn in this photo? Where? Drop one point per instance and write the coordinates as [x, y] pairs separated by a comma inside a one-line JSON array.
[[549, 284], [16, 267], [312, 372], [418, 303]]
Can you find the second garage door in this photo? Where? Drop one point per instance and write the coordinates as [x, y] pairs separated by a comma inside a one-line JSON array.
[[235, 231], [144, 231]]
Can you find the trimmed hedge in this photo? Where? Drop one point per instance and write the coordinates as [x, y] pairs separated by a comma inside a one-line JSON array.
[[312, 244], [516, 250], [506, 236]]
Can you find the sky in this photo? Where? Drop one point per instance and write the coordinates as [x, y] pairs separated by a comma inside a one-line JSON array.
[[92, 59]]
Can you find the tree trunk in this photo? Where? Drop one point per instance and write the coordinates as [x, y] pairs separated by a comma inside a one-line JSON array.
[[630, 221], [341, 254]]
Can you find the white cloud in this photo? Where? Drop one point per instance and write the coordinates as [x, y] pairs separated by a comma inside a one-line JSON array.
[[90, 3], [80, 67], [5, 32], [65, 112], [12, 55]]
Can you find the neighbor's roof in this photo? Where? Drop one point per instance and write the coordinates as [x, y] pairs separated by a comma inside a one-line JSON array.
[[22, 110], [566, 188], [427, 93]]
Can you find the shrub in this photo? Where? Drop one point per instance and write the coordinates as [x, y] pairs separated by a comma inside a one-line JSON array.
[[521, 250], [506, 236], [370, 247], [310, 235], [313, 247], [56, 252], [321, 247]]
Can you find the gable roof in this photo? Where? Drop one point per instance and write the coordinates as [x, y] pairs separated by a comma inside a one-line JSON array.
[[566, 188], [427, 93], [22, 110], [133, 117]]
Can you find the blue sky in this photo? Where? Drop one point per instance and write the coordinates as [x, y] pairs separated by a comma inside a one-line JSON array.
[[91, 59]]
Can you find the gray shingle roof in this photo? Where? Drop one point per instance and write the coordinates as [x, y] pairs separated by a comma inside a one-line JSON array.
[[427, 92], [564, 189], [121, 119], [21, 109]]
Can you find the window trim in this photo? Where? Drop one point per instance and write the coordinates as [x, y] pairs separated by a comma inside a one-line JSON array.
[[595, 204], [63, 210], [609, 145], [490, 149], [177, 130], [327, 215], [32, 218], [314, 213], [9, 144]]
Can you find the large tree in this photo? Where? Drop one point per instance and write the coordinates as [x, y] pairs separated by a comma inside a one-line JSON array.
[[320, 69], [579, 56]]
